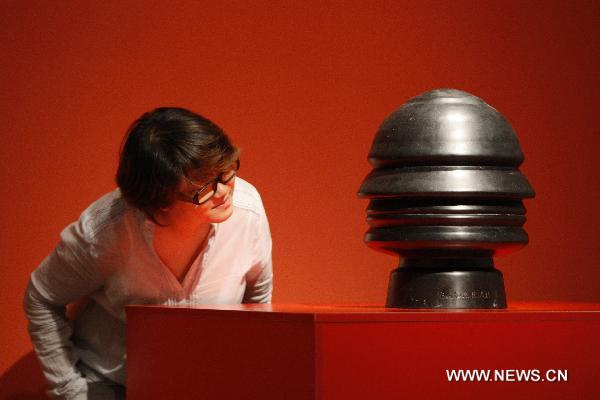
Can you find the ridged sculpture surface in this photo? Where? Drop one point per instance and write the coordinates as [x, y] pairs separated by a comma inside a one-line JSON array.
[[446, 195]]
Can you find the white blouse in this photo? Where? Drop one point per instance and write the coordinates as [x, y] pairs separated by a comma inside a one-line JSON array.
[[108, 257]]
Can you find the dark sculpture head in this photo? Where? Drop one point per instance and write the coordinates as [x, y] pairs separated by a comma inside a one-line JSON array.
[[446, 195]]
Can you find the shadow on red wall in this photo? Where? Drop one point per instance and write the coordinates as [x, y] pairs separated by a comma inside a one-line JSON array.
[[12, 385]]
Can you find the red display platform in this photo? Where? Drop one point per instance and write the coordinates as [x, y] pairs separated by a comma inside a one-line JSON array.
[[259, 352]]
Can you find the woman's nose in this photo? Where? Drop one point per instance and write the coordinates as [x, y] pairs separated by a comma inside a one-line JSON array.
[[222, 190]]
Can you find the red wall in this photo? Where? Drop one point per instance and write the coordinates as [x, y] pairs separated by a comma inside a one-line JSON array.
[[302, 88]]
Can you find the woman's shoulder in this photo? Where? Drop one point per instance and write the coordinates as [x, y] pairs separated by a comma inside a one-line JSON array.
[[106, 213], [245, 196]]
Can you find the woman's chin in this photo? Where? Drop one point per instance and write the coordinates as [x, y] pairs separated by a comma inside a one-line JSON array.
[[219, 215]]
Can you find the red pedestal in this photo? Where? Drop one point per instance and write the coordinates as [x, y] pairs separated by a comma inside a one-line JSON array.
[[259, 352]]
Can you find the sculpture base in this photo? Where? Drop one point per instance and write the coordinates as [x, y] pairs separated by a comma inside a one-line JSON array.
[[433, 284]]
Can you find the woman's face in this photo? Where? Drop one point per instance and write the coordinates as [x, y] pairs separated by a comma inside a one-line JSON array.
[[217, 208], [220, 206]]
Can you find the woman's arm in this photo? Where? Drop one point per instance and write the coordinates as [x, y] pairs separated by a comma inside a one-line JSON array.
[[259, 279], [50, 334], [66, 275]]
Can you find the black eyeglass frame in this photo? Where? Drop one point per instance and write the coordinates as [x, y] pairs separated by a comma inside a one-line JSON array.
[[214, 183]]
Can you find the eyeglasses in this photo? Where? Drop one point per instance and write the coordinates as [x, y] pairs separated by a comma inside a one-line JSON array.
[[208, 190]]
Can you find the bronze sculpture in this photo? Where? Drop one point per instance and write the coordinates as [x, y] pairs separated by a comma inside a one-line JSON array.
[[446, 195]]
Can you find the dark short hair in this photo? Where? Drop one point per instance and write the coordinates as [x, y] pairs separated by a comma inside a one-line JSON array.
[[163, 146]]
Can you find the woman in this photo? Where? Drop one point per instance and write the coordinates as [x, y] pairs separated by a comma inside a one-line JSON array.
[[174, 232]]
